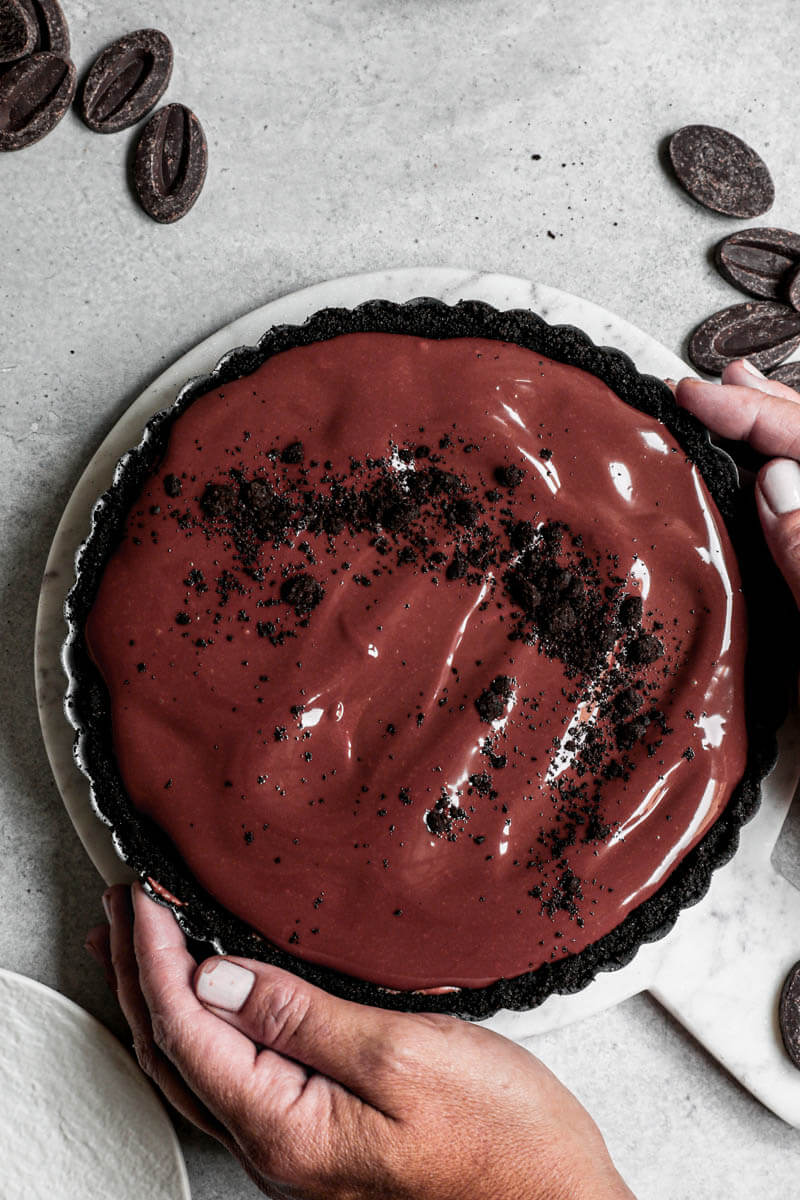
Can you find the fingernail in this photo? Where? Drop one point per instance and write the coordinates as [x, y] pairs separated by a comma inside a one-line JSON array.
[[107, 904], [224, 984], [780, 486], [748, 366]]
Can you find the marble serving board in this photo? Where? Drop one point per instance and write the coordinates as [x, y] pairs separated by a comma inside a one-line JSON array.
[[720, 970]]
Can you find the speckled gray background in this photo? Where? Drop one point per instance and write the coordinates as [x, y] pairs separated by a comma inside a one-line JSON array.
[[345, 136]]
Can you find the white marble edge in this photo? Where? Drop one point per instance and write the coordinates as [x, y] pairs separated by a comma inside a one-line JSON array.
[[671, 967]]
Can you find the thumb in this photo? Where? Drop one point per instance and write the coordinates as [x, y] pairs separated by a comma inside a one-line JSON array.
[[778, 497], [373, 1053]]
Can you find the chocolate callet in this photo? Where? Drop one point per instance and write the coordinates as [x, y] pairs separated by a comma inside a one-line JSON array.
[[302, 592], [172, 486], [789, 1014], [17, 31], [720, 171], [763, 331], [52, 32], [759, 261], [35, 93], [170, 163], [126, 81], [789, 374]]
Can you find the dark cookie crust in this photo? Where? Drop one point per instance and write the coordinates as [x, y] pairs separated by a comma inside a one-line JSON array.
[[147, 850]]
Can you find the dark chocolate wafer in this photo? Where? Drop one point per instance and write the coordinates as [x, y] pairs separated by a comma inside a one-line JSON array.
[[34, 95], [793, 287], [762, 331], [171, 163], [759, 261], [789, 1014], [721, 171], [17, 31], [126, 81], [788, 373], [52, 31]]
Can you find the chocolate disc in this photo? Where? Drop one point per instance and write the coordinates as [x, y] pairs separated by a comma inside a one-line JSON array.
[[17, 31], [171, 161], [126, 81], [793, 287], [52, 32], [34, 95], [759, 261], [789, 374], [720, 171], [789, 1014], [762, 331]]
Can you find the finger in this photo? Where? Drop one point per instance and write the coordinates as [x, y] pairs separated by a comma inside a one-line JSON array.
[[98, 944], [117, 902], [770, 423], [778, 498], [358, 1047], [743, 373], [220, 1064]]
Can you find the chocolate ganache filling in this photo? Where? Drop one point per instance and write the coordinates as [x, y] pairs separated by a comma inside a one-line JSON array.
[[426, 655]]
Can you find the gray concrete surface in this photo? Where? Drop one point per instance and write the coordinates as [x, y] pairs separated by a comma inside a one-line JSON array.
[[345, 136]]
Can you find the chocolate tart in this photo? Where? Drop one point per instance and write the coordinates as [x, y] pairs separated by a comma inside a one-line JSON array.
[[602, 631]]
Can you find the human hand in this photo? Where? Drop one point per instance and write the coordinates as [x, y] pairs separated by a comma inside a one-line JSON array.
[[322, 1098], [749, 407]]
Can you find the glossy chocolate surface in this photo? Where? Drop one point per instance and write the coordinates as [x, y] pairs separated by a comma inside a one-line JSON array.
[[321, 758]]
